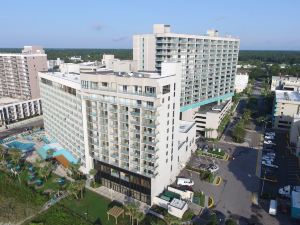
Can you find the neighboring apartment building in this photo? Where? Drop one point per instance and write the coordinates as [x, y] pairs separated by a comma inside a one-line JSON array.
[[241, 82], [286, 104], [209, 117], [208, 63], [118, 65], [130, 126], [84, 67], [19, 73], [295, 134], [14, 110], [53, 64], [285, 82]]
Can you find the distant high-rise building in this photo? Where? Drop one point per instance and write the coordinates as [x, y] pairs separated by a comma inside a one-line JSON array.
[[19, 73], [208, 63]]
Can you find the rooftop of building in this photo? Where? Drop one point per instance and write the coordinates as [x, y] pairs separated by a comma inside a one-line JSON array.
[[292, 96], [185, 126], [73, 77], [177, 203], [7, 100], [212, 107], [286, 77], [164, 29], [141, 74]]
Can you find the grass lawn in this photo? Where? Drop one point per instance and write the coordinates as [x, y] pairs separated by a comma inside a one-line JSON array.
[[95, 206]]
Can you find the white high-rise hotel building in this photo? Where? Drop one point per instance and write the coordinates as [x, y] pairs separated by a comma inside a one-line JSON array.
[[127, 125], [208, 63]]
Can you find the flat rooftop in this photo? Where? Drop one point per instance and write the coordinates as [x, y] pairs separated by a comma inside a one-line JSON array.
[[212, 107], [177, 203], [7, 100], [286, 78], [141, 74], [185, 126], [292, 96], [73, 77]]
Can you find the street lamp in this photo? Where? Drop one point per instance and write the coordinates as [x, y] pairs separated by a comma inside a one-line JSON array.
[[262, 188]]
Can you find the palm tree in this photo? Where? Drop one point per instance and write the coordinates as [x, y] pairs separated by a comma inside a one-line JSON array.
[[45, 171], [172, 220], [2, 152], [15, 155], [72, 189], [92, 173], [74, 168], [139, 217], [80, 186], [131, 209]]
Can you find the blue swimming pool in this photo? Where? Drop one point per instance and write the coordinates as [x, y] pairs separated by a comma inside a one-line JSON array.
[[24, 147]]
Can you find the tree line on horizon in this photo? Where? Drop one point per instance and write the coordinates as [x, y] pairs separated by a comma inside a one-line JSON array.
[[246, 56]]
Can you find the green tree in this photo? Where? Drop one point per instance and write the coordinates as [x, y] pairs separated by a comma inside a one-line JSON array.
[[213, 220], [92, 174], [172, 220], [230, 222]]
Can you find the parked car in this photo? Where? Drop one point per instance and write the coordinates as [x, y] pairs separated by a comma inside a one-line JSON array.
[[213, 168], [287, 190], [205, 148], [185, 182], [270, 154], [269, 164], [270, 133], [270, 137], [273, 208], [269, 142]]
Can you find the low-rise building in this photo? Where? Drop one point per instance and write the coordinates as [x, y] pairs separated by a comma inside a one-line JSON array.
[[285, 82], [118, 65], [286, 105], [209, 117], [241, 81], [14, 110], [53, 63]]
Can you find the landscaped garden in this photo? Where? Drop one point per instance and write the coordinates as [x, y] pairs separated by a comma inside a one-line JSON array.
[[214, 153], [30, 193]]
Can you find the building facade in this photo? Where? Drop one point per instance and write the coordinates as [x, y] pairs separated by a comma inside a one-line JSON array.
[[241, 82], [286, 104], [209, 117], [117, 65], [208, 62], [14, 110], [19, 73], [130, 126], [63, 117]]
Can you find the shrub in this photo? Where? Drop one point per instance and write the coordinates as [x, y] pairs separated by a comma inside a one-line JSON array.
[[230, 222]]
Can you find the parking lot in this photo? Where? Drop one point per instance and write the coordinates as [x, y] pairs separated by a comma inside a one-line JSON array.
[[239, 179]]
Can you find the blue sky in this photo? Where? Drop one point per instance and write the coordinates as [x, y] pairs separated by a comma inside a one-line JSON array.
[[260, 24]]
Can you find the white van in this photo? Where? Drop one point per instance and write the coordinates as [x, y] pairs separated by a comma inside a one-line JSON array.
[[273, 207], [185, 182]]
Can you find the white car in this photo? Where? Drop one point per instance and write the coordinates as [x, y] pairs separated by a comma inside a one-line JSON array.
[[213, 168], [270, 154], [270, 133], [269, 137], [185, 182], [269, 164], [268, 142]]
